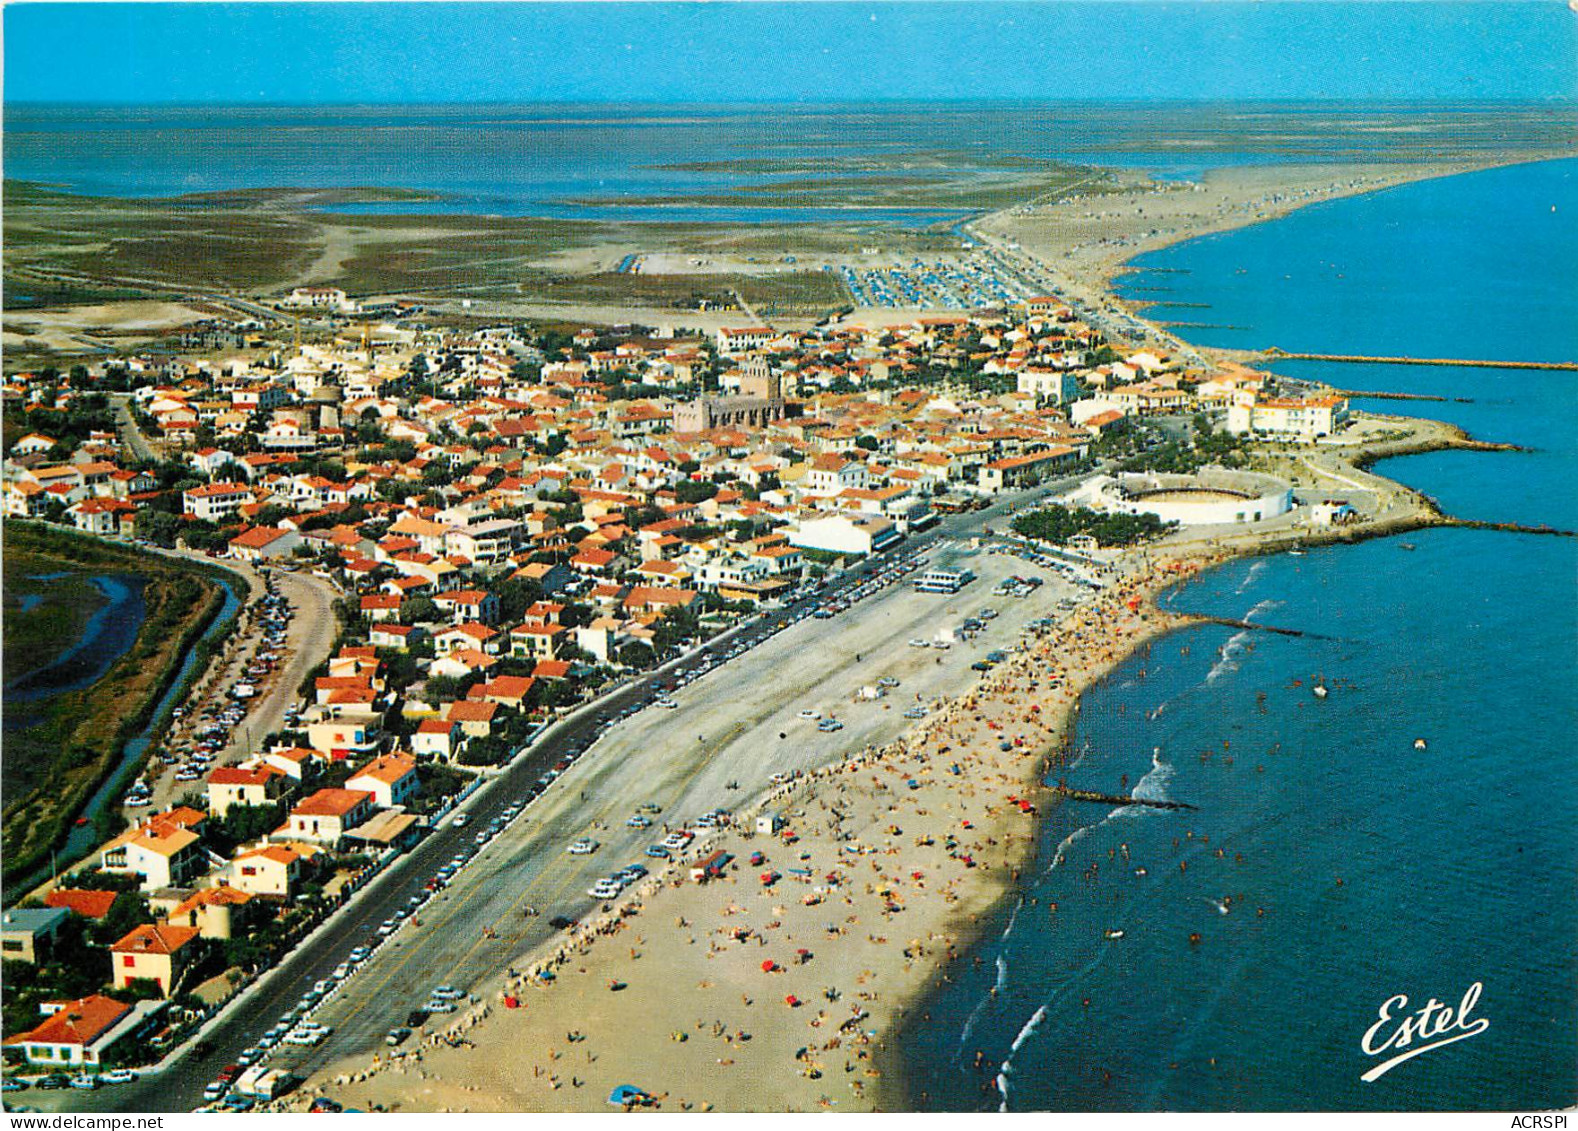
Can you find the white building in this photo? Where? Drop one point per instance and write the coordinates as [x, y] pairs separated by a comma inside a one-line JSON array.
[[740, 338], [1055, 385], [841, 534], [319, 298], [216, 501], [1304, 418]]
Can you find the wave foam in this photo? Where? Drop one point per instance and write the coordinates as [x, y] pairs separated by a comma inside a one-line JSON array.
[[1228, 656], [1153, 786], [1007, 1068], [1255, 570]]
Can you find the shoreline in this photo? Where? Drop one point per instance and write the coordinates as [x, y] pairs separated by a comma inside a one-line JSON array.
[[1059, 236]]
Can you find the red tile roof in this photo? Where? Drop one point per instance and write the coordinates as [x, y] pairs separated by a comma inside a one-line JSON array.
[[79, 1022], [88, 904], [155, 938], [331, 803]]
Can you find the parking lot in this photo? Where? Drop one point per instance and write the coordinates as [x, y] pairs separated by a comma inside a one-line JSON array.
[[936, 285], [213, 722]]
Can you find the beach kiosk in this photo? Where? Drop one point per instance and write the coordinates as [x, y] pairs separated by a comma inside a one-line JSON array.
[[768, 824]]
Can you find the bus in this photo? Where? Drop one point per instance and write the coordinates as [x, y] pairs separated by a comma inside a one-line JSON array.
[[943, 580]]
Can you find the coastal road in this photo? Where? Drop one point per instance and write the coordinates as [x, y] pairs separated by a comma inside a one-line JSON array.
[[449, 939]]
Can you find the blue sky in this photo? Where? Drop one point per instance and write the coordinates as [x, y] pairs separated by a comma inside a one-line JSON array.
[[729, 52]]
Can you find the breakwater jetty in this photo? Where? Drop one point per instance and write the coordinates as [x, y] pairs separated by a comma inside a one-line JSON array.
[[1114, 799], [1509, 527], [1380, 396], [1456, 362], [1272, 628]]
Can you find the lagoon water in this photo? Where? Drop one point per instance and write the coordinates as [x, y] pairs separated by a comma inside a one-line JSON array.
[[1331, 865], [108, 635], [575, 161]]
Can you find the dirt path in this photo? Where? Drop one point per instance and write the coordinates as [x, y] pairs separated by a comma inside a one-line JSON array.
[[339, 245]]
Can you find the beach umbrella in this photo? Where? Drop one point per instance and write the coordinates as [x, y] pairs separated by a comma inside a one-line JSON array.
[[768, 966]]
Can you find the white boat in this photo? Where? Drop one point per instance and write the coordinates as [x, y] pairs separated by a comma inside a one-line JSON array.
[[1320, 691], [1112, 934], [1419, 744]]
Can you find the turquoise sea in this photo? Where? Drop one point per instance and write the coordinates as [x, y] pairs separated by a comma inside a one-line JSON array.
[[1331, 864]]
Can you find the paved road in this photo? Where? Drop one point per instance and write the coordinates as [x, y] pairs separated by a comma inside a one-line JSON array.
[[449, 936], [133, 436], [309, 639]]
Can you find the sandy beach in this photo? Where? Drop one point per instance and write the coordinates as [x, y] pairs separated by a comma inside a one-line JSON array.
[[1080, 244]]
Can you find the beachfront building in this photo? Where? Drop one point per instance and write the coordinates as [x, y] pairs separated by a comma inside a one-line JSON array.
[[1209, 497], [845, 534], [326, 816], [81, 1032], [391, 779], [274, 870], [1025, 471], [1302, 418]]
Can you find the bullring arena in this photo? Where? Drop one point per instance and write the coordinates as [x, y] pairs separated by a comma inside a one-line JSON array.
[[1210, 497]]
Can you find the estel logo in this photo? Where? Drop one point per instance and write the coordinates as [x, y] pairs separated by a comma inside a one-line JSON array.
[[1434, 1022]]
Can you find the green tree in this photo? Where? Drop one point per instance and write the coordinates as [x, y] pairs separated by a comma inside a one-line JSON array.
[[417, 610], [637, 654]]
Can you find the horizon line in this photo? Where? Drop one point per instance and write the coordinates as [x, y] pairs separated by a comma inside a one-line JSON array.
[[1022, 100]]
